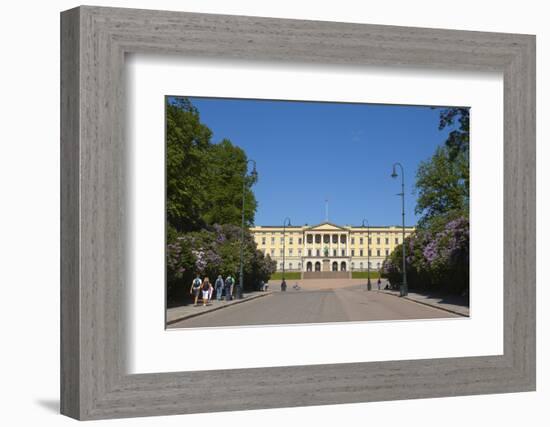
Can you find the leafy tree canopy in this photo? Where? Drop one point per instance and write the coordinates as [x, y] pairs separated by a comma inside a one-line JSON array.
[[443, 181], [458, 140], [204, 180]]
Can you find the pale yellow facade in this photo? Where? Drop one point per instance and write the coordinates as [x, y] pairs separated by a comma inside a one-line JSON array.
[[328, 246]]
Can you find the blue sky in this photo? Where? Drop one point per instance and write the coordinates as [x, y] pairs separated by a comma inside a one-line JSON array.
[[307, 152]]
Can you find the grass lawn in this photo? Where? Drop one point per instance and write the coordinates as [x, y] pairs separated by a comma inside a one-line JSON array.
[[364, 274], [288, 276]]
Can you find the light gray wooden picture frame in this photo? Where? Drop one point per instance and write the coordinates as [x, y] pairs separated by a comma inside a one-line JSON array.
[[94, 41]]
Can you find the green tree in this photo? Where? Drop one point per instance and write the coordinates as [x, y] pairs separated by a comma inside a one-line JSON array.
[[442, 185], [204, 180], [458, 140], [443, 181], [227, 172], [187, 143]]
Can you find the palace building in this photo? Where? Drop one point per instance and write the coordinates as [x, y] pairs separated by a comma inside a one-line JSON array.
[[328, 247]]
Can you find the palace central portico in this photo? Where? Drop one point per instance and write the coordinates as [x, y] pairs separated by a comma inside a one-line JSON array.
[[328, 247]]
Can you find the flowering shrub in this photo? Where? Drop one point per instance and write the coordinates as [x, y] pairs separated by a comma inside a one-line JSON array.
[[436, 259], [211, 252]]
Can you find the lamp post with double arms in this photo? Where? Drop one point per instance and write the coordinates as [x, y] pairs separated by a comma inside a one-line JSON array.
[[286, 223], [369, 286], [403, 290], [253, 175]]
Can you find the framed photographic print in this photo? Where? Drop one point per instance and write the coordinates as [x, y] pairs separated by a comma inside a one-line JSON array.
[[312, 202]]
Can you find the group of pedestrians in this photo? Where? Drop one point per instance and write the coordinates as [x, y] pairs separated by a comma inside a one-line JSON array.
[[205, 289]]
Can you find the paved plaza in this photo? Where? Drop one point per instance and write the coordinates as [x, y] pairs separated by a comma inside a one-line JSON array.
[[328, 300]]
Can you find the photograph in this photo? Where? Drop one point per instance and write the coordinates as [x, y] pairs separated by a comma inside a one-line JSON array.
[[281, 212]]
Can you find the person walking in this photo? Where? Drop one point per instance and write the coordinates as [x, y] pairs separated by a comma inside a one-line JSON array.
[[228, 288], [219, 287], [195, 289], [206, 288], [379, 283], [210, 291], [283, 285]]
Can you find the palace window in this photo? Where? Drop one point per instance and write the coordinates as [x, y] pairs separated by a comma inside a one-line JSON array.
[[318, 252], [387, 252], [370, 252], [309, 252], [272, 252], [290, 240], [281, 252], [282, 239], [310, 238], [370, 240], [334, 252], [299, 240], [317, 238], [299, 252], [343, 239], [360, 240], [378, 240], [377, 252], [273, 240], [387, 241], [290, 266], [352, 253], [360, 252], [353, 240], [326, 238], [396, 241], [263, 240], [343, 252], [290, 251]]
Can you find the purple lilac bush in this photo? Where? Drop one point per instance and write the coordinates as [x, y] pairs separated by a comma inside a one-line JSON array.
[[434, 259], [212, 252]]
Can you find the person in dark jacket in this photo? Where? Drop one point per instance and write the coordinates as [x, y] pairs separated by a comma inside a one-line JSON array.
[[219, 287], [228, 288]]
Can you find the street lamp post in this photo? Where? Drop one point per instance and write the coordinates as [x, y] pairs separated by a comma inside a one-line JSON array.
[[286, 223], [253, 175], [403, 290], [369, 287]]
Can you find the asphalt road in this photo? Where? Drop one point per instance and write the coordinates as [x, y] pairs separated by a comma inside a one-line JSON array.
[[348, 302]]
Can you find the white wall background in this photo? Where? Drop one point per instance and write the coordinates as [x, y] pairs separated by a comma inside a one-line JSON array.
[[29, 213]]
